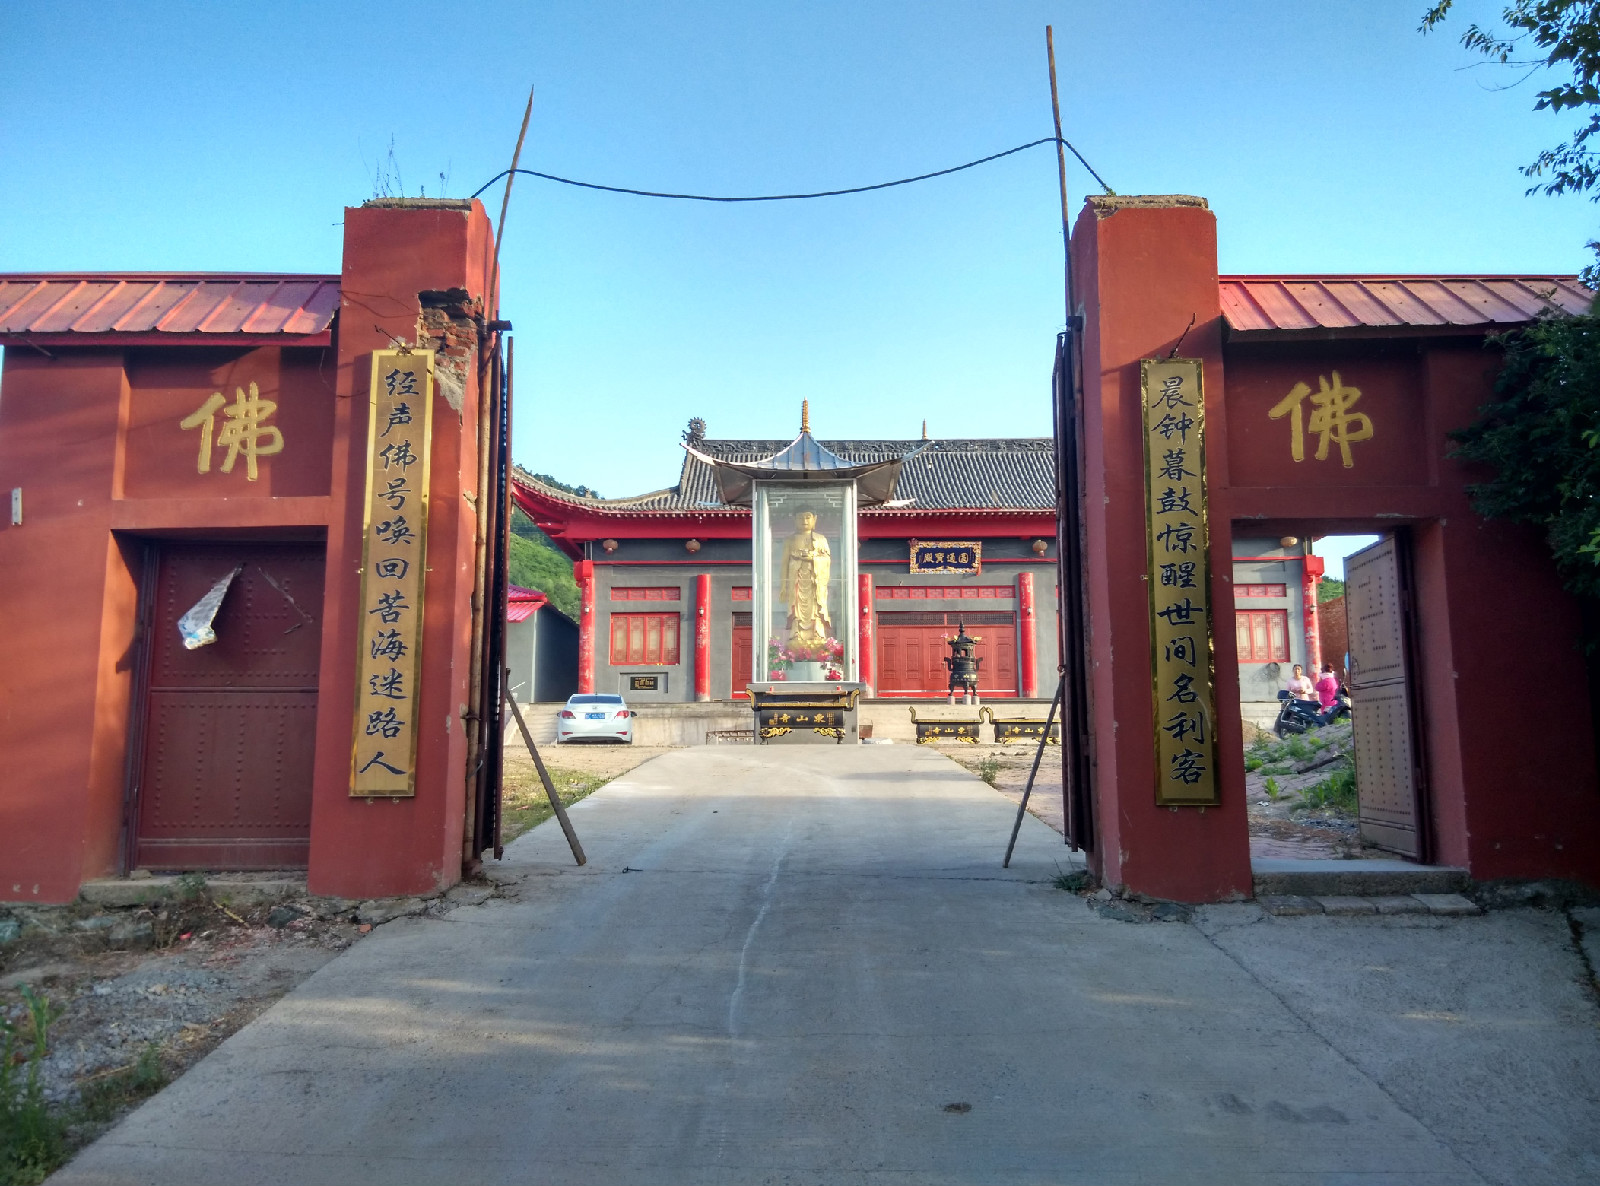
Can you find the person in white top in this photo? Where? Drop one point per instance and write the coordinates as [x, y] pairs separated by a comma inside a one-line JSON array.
[[1300, 685]]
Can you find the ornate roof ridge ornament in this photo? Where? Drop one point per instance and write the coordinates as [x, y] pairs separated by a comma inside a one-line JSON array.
[[805, 459]]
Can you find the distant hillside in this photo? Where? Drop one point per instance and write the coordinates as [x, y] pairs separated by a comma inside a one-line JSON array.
[[536, 563], [580, 491]]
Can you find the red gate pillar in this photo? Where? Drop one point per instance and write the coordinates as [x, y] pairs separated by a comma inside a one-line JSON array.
[[1310, 571], [702, 636], [583, 573], [1145, 269], [395, 253], [1028, 644], [866, 642]]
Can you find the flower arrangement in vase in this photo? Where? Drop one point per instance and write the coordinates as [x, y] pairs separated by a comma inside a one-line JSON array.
[[781, 660]]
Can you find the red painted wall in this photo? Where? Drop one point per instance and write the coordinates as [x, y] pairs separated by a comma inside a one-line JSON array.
[[92, 437], [1505, 715], [1511, 767]]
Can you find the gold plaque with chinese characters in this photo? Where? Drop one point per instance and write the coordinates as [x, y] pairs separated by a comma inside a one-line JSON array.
[[393, 564], [1179, 577]]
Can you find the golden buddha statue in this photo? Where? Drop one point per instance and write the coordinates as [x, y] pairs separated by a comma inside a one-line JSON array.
[[807, 563]]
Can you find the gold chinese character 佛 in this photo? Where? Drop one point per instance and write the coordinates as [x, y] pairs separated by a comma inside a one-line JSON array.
[[243, 430], [1331, 418]]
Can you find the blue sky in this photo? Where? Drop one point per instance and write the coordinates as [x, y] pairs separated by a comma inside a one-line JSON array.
[[222, 137]]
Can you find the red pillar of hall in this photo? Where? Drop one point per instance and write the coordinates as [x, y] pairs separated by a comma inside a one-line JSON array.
[[583, 573], [1028, 644], [1145, 270], [1310, 572], [702, 636], [866, 641]]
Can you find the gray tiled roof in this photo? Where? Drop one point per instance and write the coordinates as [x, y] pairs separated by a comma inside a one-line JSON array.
[[992, 473]]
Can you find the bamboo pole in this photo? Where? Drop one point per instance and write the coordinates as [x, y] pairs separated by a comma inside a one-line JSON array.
[[1022, 807], [549, 787], [477, 738], [1061, 167]]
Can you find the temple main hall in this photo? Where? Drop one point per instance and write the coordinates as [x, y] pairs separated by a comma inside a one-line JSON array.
[[966, 536]]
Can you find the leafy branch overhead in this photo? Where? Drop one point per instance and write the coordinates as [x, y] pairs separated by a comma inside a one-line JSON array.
[[1561, 35], [1550, 35], [1542, 438]]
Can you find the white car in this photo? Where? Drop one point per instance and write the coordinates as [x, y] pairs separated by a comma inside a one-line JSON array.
[[595, 717]]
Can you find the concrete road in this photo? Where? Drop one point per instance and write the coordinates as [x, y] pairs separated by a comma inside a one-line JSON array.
[[806, 965]]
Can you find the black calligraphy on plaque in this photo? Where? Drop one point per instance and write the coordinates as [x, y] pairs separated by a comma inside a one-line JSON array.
[[1180, 606], [947, 556], [399, 438]]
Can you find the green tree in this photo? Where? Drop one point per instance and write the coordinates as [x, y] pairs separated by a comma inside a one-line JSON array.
[[1542, 438], [536, 563], [1329, 589], [1550, 35]]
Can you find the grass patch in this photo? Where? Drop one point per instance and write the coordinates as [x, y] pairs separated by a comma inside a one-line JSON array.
[[989, 770], [1072, 882], [33, 1136], [525, 805], [1335, 793], [106, 1096], [36, 1137]]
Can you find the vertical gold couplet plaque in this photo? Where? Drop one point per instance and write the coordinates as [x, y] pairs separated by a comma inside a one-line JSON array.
[[393, 561], [1179, 572]]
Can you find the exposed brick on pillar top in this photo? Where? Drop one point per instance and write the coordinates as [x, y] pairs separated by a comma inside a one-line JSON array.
[[1145, 271]]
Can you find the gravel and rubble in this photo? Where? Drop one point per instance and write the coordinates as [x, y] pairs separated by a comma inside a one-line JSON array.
[[167, 966], [179, 970]]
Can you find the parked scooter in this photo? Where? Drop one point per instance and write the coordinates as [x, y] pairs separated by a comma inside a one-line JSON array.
[[1299, 716]]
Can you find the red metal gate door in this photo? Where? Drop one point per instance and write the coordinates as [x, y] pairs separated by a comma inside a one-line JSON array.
[[913, 645], [229, 729], [743, 655]]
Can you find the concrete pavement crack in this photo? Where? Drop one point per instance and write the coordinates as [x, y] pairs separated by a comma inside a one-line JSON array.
[[1591, 981], [1311, 1029]]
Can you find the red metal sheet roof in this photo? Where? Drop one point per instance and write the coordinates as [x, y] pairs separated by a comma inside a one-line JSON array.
[[522, 604], [63, 307], [1254, 304]]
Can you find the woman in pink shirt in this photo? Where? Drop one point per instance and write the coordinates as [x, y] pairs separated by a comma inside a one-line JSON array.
[[1327, 686], [1299, 685]]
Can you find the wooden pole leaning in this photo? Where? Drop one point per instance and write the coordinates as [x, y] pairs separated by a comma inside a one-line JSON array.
[[1061, 168], [549, 787], [1044, 740]]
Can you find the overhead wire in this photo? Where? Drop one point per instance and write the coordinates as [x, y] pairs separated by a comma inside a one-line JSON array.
[[827, 193]]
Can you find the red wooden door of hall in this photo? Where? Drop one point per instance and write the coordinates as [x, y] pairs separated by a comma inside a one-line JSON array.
[[224, 781], [744, 650], [912, 648]]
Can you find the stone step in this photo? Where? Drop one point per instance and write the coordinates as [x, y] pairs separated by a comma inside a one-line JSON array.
[[232, 889], [1358, 879], [1444, 905]]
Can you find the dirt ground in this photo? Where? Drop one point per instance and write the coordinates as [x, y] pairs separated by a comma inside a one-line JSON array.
[[590, 757], [1009, 764], [1280, 827], [575, 771], [138, 994]]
